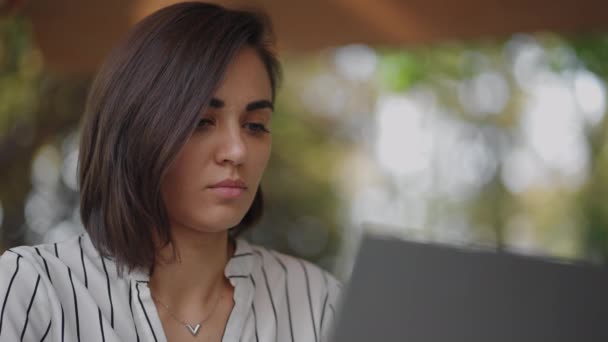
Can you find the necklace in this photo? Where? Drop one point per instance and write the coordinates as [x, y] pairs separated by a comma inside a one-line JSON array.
[[193, 329]]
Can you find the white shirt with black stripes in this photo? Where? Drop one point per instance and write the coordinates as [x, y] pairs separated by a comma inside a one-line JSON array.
[[67, 292]]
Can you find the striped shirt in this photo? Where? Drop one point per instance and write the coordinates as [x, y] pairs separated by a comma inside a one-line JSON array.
[[67, 292]]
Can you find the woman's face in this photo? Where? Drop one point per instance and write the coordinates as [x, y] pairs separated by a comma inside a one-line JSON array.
[[213, 181]]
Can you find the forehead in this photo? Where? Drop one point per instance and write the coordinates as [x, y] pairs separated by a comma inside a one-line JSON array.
[[245, 79]]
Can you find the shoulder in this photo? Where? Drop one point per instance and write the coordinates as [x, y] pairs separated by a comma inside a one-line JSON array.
[[60, 265], [18, 269], [24, 265], [24, 290], [280, 262], [46, 257], [64, 248], [299, 289], [298, 275]]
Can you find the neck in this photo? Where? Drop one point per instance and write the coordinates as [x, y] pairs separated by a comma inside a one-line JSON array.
[[196, 275]]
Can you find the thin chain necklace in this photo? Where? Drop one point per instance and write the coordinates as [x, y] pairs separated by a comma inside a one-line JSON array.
[[192, 329]]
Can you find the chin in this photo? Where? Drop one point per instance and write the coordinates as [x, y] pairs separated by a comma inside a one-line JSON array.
[[217, 223]]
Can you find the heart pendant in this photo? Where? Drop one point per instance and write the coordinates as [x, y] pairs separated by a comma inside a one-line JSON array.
[[194, 330]]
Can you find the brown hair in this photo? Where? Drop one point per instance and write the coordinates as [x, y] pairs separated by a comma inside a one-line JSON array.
[[143, 106]]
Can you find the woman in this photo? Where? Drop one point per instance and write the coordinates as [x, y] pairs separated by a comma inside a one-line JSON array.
[[175, 139]]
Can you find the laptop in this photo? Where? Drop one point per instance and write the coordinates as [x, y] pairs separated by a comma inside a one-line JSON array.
[[413, 292]]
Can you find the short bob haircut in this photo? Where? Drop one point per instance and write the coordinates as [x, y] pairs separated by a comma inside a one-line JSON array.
[[142, 107]]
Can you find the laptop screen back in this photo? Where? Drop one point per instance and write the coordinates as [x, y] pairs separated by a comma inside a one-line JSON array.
[[409, 291]]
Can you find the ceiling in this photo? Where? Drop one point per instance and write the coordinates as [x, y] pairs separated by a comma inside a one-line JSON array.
[[75, 35]]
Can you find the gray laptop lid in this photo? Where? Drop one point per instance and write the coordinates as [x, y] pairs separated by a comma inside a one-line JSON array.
[[409, 291]]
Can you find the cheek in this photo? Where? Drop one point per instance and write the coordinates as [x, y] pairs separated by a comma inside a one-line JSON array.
[[189, 161], [179, 192], [172, 186], [262, 155], [182, 175]]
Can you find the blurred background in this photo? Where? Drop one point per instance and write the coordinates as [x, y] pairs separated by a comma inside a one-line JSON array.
[[465, 122]]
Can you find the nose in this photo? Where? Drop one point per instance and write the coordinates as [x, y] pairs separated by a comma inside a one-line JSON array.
[[231, 147]]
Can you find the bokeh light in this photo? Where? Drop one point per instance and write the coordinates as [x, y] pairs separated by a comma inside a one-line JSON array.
[[404, 140], [494, 142], [356, 62]]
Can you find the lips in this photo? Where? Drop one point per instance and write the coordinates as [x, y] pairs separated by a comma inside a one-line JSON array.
[[230, 183], [229, 188]]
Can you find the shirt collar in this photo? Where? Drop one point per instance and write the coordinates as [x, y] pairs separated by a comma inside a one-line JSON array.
[[239, 265], [241, 262]]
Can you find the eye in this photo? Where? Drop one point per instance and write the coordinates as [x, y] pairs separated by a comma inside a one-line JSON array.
[[203, 123], [257, 128]]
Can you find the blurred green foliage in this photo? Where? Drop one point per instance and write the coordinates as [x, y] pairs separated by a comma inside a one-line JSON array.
[[38, 107], [593, 51], [401, 70]]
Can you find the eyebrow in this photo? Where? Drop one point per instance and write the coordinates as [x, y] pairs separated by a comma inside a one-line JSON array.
[[260, 104]]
